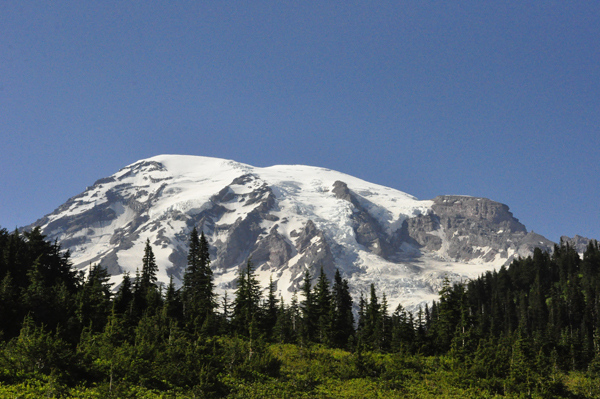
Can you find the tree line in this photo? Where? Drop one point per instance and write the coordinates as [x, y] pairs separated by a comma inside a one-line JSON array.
[[516, 327]]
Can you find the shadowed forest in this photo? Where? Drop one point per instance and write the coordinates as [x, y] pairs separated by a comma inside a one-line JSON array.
[[529, 330]]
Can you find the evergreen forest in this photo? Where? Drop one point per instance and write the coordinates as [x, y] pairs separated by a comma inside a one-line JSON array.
[[530, 330]]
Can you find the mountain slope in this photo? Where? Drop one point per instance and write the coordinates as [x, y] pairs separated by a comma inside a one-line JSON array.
[[286, 219]]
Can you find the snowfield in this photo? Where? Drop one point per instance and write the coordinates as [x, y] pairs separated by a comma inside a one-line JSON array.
[[154, 198]]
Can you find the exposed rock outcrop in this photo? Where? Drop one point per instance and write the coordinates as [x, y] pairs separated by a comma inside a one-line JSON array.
[[287, 220], [367, 229], [578, 242], [464, 228]]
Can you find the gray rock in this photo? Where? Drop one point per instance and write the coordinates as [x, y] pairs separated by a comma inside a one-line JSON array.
[[473, 228], [578, 242], [368, 230], [274, 249], [315, 253], [453, 229]]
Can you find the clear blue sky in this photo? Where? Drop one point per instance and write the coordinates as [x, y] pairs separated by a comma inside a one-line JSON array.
[[483, 98]]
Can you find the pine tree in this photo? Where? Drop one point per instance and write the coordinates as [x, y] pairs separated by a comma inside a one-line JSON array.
[[37, 298], [447, 315], [362, 319], [307, 306], [421, 322], [17, 259], [173, 307], [295, 318], [124, 297], [271, 310], [537, 306], [147, 292], [139, 301], [590, 264], [521, 376], [322, 309], [403, 330], [342, 317], [224, 325], [386, 325], [94, 299], [198, 287], [9, 303], [149, 268], [4, 237], [372, 334], [246, 306], [282, 332]]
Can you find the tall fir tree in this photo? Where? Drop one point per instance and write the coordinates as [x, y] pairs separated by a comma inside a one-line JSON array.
[[307, 307], [372, 329], [149, 268], [173, 307], [361, 323], [403, 330], [246, 306], [225, 316], [295, 316], [322, 309], [385, 322], [122, 303], [148, 292], [342, 316], [199, 298], [271, 310], [9, 303], [94, 299]]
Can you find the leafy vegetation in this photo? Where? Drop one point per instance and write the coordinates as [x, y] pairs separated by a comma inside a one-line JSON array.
[[529, 330]]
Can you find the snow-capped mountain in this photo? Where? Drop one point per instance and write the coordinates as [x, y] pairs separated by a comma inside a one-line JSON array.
[[286, 219]]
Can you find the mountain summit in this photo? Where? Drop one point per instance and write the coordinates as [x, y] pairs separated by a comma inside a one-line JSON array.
[[287, 219]]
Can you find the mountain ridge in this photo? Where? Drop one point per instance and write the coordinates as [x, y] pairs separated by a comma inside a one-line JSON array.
[[286, 218]]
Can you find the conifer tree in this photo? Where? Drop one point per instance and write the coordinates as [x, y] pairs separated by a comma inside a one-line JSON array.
[[421, 328], [372, 334], [9, 302], [385, 339], [403, 330], [37, 298], [342, 317], [149, 268], [17, 259], [271, 310], [590, 264], [94, 299], [147, 292], [362, 319], [522, 372], [282, 332], [4, 237], [225, 319], [447, 316], [139, 301], [295, 317], [537, 306], [124, 297], [198, 287], [173, 307], [307, 306], [246, 306], [322, 308]]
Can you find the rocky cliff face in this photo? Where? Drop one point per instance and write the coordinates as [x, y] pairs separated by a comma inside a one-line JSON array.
[[287, 219], [578, 242], [468, 229]]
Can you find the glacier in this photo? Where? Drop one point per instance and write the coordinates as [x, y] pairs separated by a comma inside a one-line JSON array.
[[287, 219]]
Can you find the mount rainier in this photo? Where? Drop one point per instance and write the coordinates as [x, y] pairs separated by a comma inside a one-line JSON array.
[[286, 219]]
